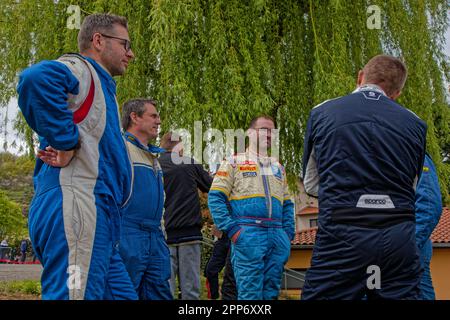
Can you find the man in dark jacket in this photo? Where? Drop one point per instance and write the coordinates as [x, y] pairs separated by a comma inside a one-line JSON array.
[[182, 179], [219, 259]]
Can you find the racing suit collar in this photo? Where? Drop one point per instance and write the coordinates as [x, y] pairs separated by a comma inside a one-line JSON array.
[[256, 157], [100, 69], [149, 148], [253, 155], [370, 87]]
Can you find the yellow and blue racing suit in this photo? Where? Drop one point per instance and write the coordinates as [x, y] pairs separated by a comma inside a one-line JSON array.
[[252, 197]]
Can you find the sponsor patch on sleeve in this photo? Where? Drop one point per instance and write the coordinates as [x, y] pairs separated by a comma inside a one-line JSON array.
[[222, 173]]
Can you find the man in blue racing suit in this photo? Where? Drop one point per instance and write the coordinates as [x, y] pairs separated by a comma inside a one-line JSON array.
[[82, 176], [363, 156], [428, 213], [142, 243]]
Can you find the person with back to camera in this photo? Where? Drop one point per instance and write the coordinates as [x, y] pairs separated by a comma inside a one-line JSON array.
[[363, 156]]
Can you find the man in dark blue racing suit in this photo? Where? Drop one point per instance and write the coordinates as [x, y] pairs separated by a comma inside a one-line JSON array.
[[363, 156]]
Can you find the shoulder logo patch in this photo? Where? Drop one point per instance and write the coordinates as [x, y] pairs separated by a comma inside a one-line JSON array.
[[276, 172], [222, 173]]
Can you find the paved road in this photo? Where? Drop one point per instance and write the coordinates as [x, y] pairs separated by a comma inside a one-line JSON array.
[[9, 272]]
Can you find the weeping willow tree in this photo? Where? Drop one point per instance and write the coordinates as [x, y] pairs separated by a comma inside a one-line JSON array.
[[224, 61]]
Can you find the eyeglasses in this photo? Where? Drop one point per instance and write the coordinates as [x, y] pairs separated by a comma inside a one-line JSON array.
[[126, 44]]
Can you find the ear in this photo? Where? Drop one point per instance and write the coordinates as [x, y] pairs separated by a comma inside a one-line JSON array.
[[133, 117], [180, 148], [97, 42], [360, 79]]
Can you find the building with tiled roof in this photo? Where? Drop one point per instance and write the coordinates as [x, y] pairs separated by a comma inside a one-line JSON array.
[[306, 209], [303, 244], [441, 234], [305, 237]]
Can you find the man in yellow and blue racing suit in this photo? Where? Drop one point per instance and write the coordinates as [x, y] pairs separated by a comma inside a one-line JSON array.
[[260, 223]]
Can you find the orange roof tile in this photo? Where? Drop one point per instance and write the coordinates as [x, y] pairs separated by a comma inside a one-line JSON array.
[[308, 210], [305, 237], [441, 233]]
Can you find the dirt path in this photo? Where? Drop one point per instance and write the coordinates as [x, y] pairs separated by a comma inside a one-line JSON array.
[[9, 272]]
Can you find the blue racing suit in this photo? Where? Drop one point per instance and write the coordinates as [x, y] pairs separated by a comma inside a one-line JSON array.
[[263, 211], [74, 217], [142, 245], [363, 155], [428, 213]]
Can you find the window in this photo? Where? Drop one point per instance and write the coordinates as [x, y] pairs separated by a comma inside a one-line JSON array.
[[313, 223]]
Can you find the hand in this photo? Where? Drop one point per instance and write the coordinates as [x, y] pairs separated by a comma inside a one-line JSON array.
[[216, 232], [55, 158], [236, 236]]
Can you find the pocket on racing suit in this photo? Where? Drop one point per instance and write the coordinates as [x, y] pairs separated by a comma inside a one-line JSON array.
[[164, 258]]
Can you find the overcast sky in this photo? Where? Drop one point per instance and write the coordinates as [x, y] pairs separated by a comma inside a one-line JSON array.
[[12, 112]]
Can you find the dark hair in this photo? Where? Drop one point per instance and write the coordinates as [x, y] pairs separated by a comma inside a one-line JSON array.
[[134, 105], [253, 122], [93, 23], [386, 71]]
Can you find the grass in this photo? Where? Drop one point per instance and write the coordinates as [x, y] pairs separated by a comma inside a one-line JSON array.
[[203, 291], [20, 289], [31, 290]]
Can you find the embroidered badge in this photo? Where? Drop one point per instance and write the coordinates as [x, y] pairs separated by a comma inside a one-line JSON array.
[[249, 174]]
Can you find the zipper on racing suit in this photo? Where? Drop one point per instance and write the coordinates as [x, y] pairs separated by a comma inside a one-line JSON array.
[[132, 173], [158, 181], [266, 190]]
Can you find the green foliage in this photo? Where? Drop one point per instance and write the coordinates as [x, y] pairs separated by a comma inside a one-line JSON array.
[[30, 287], [223, 62], [12, 222], [16, 178], [12, 166]]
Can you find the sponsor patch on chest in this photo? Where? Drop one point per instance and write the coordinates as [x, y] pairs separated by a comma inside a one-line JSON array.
[[249, 174], [247, 168]]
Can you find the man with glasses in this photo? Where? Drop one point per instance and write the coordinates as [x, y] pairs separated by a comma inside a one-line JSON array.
[[249, 201], [83, 175], [126, 42]]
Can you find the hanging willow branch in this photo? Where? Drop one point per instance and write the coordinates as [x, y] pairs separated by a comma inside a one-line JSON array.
[[224, 61]]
